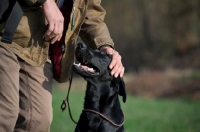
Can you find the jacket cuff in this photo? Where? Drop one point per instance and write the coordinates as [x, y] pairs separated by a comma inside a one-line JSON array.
[[106, 45], [103, 42]]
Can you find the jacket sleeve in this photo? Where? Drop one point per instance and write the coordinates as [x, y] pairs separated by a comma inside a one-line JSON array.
[[94, 31], [30, 3]]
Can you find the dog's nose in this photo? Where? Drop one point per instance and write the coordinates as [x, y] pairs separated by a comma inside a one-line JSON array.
[[81, 45]]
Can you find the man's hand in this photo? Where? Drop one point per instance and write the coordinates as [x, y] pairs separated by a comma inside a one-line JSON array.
[[116, 64], [55, 20]]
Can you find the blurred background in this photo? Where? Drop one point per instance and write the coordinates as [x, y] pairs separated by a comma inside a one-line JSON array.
[[159, 41]]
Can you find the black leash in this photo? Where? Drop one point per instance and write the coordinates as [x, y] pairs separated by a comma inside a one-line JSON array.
[[65, 102], [104, 117]]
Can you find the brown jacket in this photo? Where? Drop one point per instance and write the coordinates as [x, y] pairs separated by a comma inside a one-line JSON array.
[[28, 42]]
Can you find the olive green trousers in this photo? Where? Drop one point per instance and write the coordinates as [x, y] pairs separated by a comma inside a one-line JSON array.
[[25, 94]]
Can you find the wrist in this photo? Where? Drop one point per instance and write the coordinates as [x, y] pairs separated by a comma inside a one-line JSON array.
[[105, 46]]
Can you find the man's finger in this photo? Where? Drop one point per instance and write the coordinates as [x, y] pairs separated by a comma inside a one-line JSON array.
[[60, 30], [59, 37], [113, 63], [54, 39], [50, 30], [122, 72], [117, 69]]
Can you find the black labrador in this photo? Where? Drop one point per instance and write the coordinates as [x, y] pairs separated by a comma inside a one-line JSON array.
[[102, 111]]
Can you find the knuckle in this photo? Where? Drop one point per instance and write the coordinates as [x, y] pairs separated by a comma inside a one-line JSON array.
[[50, 29], [62, 19], [56, 32], [116, 52]]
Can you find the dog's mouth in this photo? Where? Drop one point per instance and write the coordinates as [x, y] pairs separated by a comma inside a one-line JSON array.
[[86, 65]]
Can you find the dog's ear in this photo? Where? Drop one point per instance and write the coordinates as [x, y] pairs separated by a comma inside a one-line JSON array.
[[119, 82]]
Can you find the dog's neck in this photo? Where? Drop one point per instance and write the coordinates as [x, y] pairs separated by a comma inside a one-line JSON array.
[[102, 97]]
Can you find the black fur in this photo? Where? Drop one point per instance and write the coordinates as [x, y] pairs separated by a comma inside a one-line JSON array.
[[101, 93]]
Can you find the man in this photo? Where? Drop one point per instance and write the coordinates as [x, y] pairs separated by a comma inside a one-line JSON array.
[[26, 69]]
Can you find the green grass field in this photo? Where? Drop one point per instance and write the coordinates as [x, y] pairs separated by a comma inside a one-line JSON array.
[[141, 115]]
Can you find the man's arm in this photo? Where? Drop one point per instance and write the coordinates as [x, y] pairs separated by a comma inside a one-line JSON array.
[[55, 20], [53, 15], [95, 33]]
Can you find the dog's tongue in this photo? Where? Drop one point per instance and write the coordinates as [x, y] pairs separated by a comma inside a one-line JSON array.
[[84, 67], [87, 68]]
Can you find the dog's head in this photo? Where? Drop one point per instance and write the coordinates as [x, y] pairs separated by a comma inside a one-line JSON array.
[[94, 66]]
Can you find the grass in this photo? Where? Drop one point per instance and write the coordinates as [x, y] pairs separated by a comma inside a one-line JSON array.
[[141, 115]]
